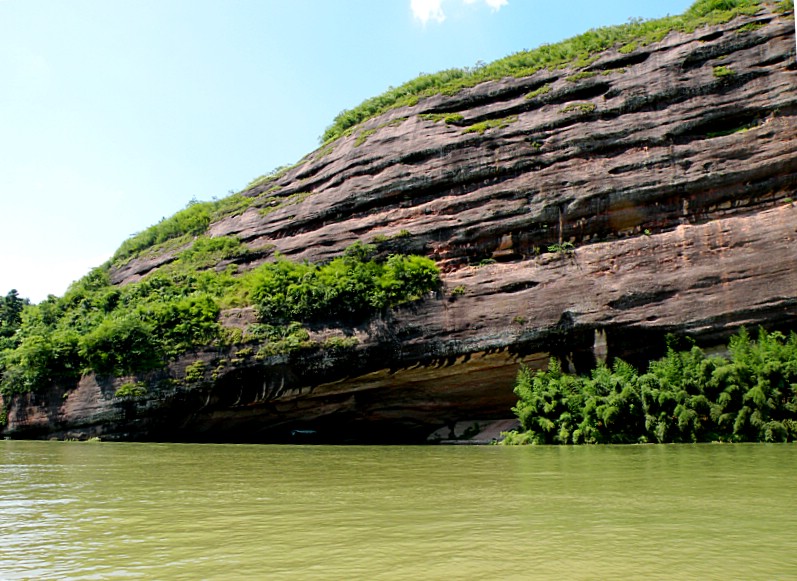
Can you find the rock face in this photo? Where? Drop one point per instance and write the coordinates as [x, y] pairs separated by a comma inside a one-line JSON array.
[[579, 216]]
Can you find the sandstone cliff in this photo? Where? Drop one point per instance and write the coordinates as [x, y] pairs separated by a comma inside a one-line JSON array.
[[581, 213]]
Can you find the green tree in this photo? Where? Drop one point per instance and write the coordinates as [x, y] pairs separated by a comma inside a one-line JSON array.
[[121, 345], [11, 307]]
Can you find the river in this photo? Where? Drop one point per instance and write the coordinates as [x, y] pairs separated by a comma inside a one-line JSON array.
[[83, 510]]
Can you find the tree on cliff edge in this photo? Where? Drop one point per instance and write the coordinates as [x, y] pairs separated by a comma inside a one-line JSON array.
[[11, 313]]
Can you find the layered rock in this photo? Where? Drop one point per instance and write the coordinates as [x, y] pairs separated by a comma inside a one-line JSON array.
[[583, 214]]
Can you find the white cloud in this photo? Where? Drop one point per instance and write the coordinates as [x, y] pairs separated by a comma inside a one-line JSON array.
[[426, 10]]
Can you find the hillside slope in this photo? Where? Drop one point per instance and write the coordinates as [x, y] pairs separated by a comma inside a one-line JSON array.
[[580, 212]]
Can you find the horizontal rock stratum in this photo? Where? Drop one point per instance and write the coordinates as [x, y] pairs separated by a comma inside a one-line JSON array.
[[580, 213]]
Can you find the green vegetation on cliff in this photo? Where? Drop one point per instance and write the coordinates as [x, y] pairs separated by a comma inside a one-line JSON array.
[[121, 331], [193, 220], [11, 307], [686, 396], [350, 287], [580, 51], [577, 52]]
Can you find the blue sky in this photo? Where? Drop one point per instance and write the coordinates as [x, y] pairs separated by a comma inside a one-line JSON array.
[[116, 113]]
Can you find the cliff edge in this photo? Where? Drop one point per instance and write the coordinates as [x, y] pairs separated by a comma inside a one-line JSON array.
[[577, 212]]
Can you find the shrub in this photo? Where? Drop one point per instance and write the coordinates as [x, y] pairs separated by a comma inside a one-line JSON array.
[[27, 367], [271, 176], [283, 339], [582, 108], [232, 205], [363, 136], [276, 203], [447, 118], [580, 76], [382, 238], [515, 438], [562, 249], [545, 89], [350, 287], [119, 331], [193, 220], [206, 252], [131, 391], [11, 307], [683, 397], [185, 322], [341, 343], [195, 372], [113, 331], [483, 126], [121, 345], [723, 71]]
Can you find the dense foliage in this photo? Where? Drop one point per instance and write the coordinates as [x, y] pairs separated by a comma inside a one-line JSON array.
[[120, 331], [751, 395], [11, 307], [109, 330], [349, 287], [578, 51]]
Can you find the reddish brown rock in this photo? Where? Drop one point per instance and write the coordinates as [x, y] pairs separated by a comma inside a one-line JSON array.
[[673, 185]]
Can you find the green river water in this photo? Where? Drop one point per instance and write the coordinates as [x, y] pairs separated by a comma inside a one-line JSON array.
[[71, 510]]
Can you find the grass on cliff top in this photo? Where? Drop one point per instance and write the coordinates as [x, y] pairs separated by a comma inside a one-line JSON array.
[[193, 220], [578, 51]]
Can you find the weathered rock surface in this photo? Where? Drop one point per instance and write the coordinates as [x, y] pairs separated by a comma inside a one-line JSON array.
[[673, 185]]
